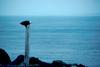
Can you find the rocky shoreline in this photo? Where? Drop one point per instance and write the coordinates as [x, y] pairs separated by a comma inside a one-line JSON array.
[[5, 61]]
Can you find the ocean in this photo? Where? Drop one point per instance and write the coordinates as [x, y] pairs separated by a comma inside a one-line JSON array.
[[70, 39]]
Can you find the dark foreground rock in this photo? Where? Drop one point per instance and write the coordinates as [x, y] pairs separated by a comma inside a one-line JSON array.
[[34, 62], [59, 63], [18, 60], [38, 63], [4, 57]]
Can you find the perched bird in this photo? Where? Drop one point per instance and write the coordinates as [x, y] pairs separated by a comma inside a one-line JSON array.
[[25, 23]]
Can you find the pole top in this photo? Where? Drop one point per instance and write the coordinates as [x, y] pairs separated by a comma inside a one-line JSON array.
[[25, 23]]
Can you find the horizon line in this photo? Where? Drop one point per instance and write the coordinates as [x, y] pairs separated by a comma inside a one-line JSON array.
[[49, 15]]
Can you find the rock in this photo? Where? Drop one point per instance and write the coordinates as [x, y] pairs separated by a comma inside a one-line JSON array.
[[35, 65], [59, 63], [34, 60], [4, 57], [38, 63], [45, 64], [18, 60], [80, 65]]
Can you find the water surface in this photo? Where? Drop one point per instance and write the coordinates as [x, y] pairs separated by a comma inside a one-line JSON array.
[[70, 39]]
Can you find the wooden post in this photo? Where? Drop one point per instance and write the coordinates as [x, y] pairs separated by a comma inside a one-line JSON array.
[[26, 59]]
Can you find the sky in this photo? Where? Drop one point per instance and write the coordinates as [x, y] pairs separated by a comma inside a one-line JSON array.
[[49, 7]]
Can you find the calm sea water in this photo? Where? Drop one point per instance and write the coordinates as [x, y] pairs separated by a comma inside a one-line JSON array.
[[70, 39]]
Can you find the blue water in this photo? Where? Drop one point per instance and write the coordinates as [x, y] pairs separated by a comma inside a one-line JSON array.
[[70, 39]]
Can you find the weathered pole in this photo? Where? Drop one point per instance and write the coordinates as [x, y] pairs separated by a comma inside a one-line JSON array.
[[26, 58]]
